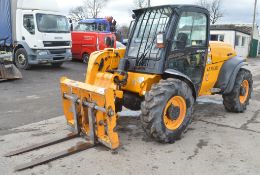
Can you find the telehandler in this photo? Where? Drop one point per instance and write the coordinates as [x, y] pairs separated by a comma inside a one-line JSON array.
[[167, 64]]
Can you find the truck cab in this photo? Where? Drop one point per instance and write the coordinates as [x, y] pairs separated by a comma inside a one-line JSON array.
[[38, 32], [91, 35]]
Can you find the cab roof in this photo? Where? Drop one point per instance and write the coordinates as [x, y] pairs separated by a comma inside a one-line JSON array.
[[174, 6]]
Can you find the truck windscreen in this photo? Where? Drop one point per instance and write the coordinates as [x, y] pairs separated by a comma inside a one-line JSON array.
[[91, 27], [148, 25], [52, 23]]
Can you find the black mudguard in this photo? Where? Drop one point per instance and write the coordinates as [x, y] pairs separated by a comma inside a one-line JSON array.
[[228, 74], [171, 73]]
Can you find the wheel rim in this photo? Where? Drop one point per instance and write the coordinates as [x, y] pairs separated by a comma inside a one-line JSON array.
[[21, 59], [173, 122], [244, 91]]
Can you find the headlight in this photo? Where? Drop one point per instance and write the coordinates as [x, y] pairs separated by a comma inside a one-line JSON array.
[[41, 53]]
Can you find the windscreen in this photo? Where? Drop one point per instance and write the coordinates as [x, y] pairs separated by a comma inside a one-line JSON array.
[[52, 23], [148, 25], [91, 27]]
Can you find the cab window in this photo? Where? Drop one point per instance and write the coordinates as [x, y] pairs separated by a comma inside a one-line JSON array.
[[191, 31], [28, 23], [91, 27]]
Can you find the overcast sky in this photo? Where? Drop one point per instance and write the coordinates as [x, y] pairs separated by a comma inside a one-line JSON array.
[[235, 11]]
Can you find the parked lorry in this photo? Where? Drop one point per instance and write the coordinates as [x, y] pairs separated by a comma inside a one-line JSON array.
[[92, 35], [35, 31]]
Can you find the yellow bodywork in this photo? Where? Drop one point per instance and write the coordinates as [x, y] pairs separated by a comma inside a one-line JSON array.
[[99, 88], [219, 52]]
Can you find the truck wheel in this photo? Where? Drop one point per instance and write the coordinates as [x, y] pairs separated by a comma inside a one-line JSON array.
[[85, 58], [238, 99], [56, 64], [21, 59], [167, 110]]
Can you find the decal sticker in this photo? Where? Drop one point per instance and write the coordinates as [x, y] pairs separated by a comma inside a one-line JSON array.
[[212, 68], [200, 51]]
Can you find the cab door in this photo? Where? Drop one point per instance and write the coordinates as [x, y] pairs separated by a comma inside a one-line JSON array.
[[28, 29], [189, 46]]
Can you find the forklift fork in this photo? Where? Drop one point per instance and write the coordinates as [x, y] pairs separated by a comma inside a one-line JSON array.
[[78, 147]]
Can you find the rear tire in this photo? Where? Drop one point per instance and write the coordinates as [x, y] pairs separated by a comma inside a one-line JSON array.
[[56, 65], [238, 99], [85, 58], [171, 97], [21, 59]]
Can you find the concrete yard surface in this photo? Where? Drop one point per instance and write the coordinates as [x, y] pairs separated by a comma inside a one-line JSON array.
[[216, 142]]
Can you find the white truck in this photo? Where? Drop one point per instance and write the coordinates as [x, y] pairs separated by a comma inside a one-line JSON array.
[[35, 31]]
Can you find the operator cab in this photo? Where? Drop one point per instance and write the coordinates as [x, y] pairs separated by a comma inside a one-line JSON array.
[[170, 38]]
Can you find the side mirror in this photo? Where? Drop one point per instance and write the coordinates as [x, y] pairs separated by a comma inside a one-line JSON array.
[[160, 40], [71, 25]]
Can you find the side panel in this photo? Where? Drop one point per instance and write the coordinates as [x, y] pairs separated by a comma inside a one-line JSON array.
[[210, 78], [5, 22], [83, 42], [89, 42], [221, 51], [220, 54], [48, 5], [76, 45], [18, 25], [13, 19], [220, 75]]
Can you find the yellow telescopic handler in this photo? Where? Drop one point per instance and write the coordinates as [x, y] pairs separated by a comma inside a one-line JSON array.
[[167, 64]]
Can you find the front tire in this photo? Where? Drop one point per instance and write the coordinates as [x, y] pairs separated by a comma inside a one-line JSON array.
[[167, 110], [21, 59], [238, 99]]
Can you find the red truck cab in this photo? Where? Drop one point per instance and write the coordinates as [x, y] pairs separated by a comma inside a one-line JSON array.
[[91, 35]]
